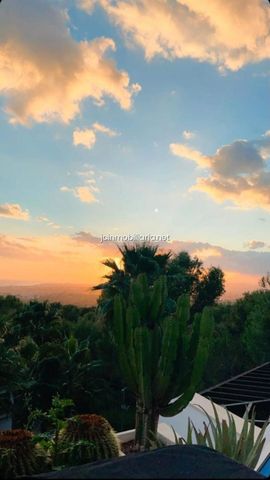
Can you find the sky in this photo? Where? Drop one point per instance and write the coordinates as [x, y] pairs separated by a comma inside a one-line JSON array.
[[133, 117]]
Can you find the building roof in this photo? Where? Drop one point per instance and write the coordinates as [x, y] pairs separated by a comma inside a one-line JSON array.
[[249, 389]]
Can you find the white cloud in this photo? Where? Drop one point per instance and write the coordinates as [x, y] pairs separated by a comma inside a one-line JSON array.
[[13, 210], [54, 225], [86, 137], [229, 34], [48, 222], [45, 74], [188, 134], [89, 174]]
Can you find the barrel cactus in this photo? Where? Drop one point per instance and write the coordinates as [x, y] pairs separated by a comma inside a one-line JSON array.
[[162, 357], [87, 438], [19, 456]]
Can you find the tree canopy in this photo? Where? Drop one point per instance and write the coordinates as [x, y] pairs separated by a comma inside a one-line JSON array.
[[184, 275]]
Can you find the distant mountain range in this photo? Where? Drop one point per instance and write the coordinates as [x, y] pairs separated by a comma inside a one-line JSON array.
[[80, 294]]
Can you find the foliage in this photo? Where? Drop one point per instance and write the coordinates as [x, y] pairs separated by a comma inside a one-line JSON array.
[[245, 447], [184, 275], [227, 356], [87, 438], [49, 349], [241, 337], [161, 357], [65, 442], [52, 349], [53, 421], [19, 456], [256, 334]]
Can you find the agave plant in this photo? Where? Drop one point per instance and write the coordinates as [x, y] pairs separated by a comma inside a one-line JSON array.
[[221, 435], [19, 456]]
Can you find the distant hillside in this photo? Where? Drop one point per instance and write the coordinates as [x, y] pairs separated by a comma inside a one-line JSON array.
[[80, 295], [83, 296]]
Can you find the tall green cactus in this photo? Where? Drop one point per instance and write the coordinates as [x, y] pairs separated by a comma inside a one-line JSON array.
[[162, 358]]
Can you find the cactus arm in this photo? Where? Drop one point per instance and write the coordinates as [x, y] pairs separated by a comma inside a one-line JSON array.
[[168, 356], [199, 362], [180, 341], [155, 301], [122, 350], [143, 349], [186, 357], [139, 294]]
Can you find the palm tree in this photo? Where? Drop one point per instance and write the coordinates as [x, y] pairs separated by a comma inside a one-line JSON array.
[[185, 274], [136, 259]]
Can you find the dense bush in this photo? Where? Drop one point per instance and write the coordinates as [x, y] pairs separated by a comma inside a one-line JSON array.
[[48, 349], [241, 336]]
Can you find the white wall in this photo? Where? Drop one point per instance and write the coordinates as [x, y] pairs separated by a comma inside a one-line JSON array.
[[198, 417]]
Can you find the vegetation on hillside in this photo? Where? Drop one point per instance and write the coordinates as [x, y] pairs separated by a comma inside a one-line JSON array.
[[50, 351]]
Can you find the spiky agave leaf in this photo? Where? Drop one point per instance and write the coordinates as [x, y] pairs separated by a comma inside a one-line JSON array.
[[221, 435]]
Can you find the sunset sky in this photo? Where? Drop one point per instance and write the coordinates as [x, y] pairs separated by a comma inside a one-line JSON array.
[[133, 116]]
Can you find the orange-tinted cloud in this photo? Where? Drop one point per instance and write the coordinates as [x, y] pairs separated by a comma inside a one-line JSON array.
[[86, 137], [52, 259], [84, 193], [185, 151], [206, 253], [237, 172], [86, 5], [13, 210], [227, 33], [45, 74], [98, 127]]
